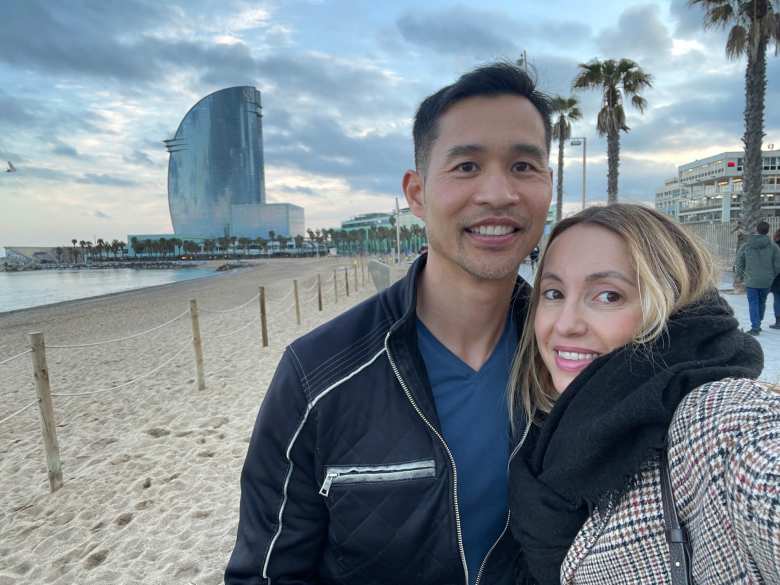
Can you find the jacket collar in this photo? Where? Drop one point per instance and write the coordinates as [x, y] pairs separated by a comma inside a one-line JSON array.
[[400, 301]]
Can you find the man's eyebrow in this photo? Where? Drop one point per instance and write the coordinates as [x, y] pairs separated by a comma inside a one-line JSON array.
[[516, 149], [529, 150], [464, 150]]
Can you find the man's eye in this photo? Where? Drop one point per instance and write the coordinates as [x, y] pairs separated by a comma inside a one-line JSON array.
[[523, 167], [466, 167], [552, 294], [609, 297]]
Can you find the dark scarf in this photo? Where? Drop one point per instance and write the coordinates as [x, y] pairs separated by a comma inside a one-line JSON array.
[[610, 420]]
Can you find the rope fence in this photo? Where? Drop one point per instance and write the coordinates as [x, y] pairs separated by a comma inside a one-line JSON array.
[[12, 358], [270, 314]]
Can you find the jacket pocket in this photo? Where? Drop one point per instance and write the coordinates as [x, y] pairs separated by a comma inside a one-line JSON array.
[[343, 474]]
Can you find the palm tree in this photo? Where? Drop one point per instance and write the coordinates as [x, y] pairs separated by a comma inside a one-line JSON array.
[[754, 23], [567, 111], [74, 241], [615, 79]]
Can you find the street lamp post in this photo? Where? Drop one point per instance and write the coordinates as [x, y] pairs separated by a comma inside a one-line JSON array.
[[577, 141]]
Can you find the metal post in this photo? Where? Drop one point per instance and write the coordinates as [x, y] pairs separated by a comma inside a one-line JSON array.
[[584, 167], [197, 344], [354, 265], [346, 279], [335, 287], [46, 409]]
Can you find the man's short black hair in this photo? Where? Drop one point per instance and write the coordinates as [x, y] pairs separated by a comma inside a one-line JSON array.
[[762, 228], [489, 80]]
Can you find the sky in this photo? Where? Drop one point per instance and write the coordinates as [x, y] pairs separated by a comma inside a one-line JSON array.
[[89, 89]]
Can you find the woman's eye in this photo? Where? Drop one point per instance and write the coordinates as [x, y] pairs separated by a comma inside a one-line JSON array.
[[552, 294], [609, 297]]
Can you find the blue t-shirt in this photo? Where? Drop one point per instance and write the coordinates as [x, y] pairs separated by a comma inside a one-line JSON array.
[[472, 411]]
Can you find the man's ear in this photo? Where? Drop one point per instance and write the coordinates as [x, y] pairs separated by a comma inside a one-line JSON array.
[[412, 185]]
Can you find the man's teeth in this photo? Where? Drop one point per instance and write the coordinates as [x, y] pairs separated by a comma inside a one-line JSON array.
[[493, 230], [576, 356]]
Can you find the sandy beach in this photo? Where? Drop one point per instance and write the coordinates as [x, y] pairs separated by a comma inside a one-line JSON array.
[[151, 470]]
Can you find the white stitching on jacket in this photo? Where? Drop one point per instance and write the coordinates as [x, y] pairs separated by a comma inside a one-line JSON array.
[[309, 408]]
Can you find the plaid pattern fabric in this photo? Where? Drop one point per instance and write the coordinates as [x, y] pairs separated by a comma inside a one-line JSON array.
[[724, 458]]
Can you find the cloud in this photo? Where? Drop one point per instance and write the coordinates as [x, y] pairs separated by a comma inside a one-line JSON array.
[[461, 30], [689, 19], [139, 157], [100, 215], [640, 34], [14, 112], [63, 149], [458, 30], [106, 180]]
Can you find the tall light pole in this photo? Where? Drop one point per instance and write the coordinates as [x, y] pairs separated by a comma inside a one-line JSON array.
[[577, 141]]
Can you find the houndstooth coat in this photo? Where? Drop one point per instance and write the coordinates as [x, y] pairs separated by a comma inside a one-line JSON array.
[[724, 458]]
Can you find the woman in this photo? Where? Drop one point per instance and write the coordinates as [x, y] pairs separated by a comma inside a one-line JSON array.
[[632, 355]]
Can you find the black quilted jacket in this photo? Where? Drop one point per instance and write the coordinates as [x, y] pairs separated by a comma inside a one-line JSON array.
[[348, 479]]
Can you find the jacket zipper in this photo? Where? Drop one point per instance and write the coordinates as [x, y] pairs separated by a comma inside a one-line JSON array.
[[508, 514], [458, 529], [377, 473]]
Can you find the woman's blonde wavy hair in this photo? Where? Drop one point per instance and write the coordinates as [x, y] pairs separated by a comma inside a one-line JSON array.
[[673, 269]]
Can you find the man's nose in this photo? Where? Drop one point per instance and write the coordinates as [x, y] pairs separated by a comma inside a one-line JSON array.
[[497, 189]]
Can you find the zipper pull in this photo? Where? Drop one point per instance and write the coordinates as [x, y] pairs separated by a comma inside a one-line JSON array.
[[325, 489]]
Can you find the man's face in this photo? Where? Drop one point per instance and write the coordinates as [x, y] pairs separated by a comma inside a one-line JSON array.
[[485, 195]]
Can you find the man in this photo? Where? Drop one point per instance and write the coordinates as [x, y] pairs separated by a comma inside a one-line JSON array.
[[380, 452], [758, 262]]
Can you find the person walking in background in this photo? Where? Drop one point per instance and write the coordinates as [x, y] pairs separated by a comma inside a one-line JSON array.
[[776, 287], [758, 263]]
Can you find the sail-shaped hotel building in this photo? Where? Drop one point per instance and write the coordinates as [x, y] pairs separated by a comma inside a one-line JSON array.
[[216, 178]]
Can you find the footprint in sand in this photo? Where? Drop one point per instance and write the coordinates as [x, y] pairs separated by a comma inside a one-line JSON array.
[[95, 559], [124, 519], [143, 505], [157, 432]]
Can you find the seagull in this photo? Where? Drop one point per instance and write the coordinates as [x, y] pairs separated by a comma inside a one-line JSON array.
[[11, 168]]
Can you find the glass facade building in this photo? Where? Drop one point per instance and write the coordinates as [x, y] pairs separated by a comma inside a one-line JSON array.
[[216, 161]]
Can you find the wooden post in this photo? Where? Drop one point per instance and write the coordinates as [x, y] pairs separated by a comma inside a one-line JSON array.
[[346, 279], [197, 343], [335, 287], [356, 280], [319, 292], [263, 318], [46, 409], [297, 302]]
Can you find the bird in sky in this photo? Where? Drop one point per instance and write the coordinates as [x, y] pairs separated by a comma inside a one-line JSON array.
[[11, 168]]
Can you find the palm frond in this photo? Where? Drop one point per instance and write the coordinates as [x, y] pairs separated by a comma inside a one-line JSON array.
[[639, 103], [602, 121], [737, 43], [720, 15], [575, 113], [590, 75]]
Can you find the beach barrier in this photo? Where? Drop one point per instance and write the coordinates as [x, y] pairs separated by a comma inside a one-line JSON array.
[[270, 313]]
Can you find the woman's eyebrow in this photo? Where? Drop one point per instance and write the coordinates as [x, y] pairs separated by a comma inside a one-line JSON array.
[[610, 274]]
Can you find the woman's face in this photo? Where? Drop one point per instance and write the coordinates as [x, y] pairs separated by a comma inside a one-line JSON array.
[[589, 302]]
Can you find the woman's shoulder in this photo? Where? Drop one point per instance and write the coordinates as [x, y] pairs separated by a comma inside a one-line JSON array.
[[722, 412]]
